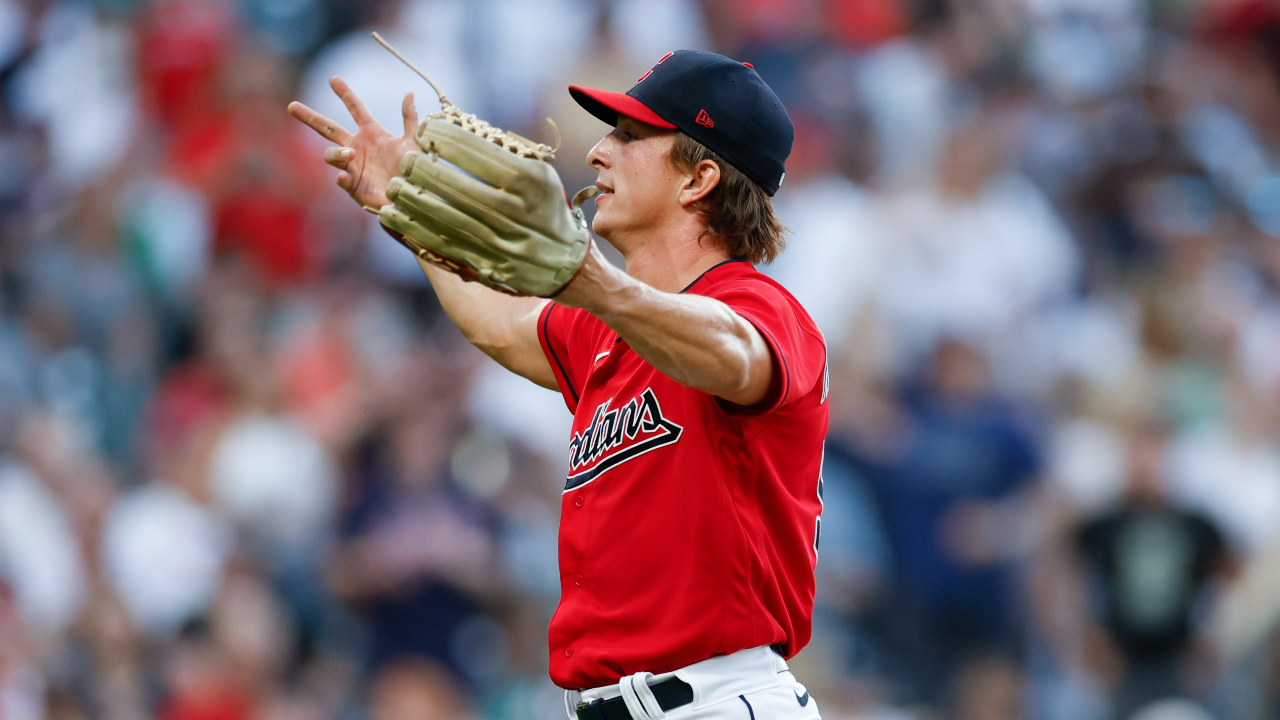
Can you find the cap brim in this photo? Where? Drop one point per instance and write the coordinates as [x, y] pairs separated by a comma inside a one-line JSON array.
[[608, 105]]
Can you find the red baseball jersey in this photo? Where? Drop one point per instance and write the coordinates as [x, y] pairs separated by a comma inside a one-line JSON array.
[[689, 526]]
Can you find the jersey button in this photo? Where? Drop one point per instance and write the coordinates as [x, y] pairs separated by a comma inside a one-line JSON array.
[[578, 581], [578, 501], [568, 652]]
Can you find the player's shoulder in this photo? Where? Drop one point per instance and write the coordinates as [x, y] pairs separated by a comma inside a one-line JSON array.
[[738, 280]]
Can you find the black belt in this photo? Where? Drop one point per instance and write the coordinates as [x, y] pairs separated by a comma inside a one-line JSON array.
[[670, 694]]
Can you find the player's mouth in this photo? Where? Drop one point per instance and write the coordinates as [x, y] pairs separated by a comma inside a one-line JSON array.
[[604, 189]]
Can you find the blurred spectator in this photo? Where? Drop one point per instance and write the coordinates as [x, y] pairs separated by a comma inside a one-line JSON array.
[[904, 89], [200, 682], [951, 477], [268, 474], [834, 251], [182, 47], [41, 567], [21, 686], [1230, 470], [416, 554], [415, 689], [259, 174], [163, 555], [76, 83], [1153, 564], [989, 688], [978, 256]]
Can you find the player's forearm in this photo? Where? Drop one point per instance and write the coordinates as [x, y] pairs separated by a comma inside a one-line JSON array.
[[697, 341], [501, 326]]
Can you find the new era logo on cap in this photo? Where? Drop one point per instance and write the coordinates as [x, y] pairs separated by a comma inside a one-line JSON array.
[[704, 119]]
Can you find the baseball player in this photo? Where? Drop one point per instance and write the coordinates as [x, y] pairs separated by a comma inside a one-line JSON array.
[[691, 513]]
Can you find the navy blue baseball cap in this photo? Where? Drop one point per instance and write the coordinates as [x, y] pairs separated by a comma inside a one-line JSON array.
[[719, 102]]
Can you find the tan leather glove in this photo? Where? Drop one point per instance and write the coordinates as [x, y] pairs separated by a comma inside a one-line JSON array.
[[495, 212]]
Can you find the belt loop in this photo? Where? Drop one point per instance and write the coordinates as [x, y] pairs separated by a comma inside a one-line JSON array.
[[640, 681], [629, 697], [639, 698], [778, 660]]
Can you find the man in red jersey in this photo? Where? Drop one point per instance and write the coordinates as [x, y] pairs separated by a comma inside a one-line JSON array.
[[691, 514]]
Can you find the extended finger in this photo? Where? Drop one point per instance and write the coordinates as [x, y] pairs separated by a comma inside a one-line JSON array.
[[410, 115], [354, 104], [328, 129], [339, 156]]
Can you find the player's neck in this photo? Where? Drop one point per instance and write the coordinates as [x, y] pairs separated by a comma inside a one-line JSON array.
[[670, 262]]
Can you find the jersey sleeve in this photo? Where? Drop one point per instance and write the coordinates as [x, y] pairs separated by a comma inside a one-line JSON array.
[[566, 335], [799, 351]]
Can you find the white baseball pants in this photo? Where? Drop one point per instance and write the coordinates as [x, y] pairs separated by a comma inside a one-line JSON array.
[[752, 684]]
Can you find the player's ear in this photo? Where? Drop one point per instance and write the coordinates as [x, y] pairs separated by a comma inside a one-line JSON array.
[[700, 183]]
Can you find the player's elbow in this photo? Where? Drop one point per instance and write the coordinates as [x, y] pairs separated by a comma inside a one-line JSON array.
[[507, 349], [747, 370], [496, 345], [737, 387], [503, 353]]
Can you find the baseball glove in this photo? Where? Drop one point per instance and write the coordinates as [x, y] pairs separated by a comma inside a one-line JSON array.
[[486, 205]]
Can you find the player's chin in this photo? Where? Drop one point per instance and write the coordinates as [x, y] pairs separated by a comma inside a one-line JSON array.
[[602, 224]]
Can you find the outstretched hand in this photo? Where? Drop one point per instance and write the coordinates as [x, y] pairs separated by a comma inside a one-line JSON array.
[[370, 157]]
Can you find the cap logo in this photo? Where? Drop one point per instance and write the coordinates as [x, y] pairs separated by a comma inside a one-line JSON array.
[[704, 119], [650, 71]]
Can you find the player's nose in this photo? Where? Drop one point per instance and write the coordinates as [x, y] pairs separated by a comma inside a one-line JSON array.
[[601, 155]]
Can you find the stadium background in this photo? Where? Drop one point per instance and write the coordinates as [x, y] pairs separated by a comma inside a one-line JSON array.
[[249, 472]]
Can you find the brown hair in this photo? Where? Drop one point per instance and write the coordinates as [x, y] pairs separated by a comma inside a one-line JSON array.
[[737, 209]]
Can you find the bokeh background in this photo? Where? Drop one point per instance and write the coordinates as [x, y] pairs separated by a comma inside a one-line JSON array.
[[248, 471]]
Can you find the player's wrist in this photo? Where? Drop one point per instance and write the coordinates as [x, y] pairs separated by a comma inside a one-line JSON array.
[[595, 286]]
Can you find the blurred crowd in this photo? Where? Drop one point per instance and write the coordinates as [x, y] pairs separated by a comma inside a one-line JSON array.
[[249, 471]]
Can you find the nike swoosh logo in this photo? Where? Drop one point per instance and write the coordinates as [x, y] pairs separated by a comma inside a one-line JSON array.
[[803, 699]]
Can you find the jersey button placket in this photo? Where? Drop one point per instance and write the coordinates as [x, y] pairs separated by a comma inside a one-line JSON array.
[[568, 652], [579, 501], [578, 580]]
